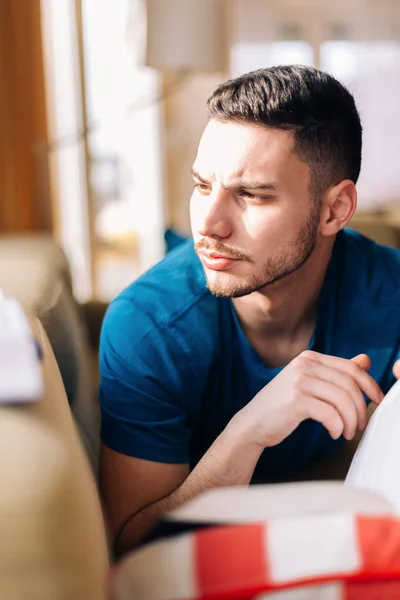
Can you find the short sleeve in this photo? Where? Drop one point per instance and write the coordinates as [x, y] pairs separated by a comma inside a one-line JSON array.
[[142, 391]]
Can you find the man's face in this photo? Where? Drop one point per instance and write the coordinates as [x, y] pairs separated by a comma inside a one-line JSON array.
[[253, 220]]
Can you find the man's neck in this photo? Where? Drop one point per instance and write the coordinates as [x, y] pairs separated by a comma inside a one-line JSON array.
[[285, 312]]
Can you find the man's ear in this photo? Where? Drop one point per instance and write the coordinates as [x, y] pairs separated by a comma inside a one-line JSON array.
[[338, 206]]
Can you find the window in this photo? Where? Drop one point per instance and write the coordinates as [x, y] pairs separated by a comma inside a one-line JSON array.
[[125, 160], [371, 71], [248, 56], [107, 142]]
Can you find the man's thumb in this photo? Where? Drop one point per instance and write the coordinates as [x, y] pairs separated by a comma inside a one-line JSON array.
[[362, 361]]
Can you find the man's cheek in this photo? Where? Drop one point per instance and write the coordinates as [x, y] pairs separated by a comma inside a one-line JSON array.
[[196, 219]]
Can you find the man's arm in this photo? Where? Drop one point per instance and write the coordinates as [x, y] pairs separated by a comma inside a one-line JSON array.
[[326, 389], [136, 492]]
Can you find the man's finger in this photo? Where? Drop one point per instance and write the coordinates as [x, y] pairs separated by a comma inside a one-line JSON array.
[[328, 392], [396, 369], [363, 361], [351, 368], [325, 414], [323, 374]]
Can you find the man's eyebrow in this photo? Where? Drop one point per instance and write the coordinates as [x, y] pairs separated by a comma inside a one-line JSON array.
[[242, 184], [197, 176]]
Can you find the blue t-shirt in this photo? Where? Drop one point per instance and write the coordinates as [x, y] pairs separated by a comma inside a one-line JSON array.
[[176, 366]]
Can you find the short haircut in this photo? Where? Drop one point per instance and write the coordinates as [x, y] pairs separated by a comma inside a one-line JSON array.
[[313, 105]]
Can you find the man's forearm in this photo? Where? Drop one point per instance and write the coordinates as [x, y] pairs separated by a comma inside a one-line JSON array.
[[230, 461]]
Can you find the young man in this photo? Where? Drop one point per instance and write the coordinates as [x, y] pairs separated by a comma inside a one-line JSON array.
[[253, 351]]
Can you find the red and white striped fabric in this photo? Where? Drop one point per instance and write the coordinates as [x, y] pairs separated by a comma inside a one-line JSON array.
[[324, 555]]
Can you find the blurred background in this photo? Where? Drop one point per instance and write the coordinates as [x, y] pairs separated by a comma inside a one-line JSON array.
[[102, 104]]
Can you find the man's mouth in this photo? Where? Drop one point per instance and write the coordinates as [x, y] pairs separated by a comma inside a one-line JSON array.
[[216, 261]]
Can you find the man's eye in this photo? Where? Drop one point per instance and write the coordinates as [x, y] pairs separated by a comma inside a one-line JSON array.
[[203, 188], [252, 197]]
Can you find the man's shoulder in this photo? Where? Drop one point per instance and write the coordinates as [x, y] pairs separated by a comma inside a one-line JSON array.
[[370, 270], [366, 313], [162, 327], [171, 294]]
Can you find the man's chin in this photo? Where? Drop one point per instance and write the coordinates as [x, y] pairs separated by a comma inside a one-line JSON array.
[[218, 283], [225, 286]]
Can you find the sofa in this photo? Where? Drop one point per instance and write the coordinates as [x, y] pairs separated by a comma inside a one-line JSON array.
[[35, 271], [52, 530]]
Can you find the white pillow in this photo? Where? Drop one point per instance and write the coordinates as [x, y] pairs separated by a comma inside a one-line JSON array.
[[304, 541]]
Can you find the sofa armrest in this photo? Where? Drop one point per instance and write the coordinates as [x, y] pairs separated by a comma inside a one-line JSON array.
[[53, 539], [35, 271]]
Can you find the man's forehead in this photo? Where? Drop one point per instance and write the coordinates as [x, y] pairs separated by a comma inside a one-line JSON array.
[[234, 150]]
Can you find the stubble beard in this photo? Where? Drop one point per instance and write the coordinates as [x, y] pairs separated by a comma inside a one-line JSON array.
[[275, 268]]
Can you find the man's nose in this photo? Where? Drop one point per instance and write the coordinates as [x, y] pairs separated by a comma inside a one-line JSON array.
[[217, 220]]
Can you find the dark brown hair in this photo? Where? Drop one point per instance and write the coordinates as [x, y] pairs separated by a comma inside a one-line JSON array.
[[318, 109]]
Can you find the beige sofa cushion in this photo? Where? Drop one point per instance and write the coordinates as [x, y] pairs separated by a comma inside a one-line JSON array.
[[35, 271], [377, 226], [53, 540]]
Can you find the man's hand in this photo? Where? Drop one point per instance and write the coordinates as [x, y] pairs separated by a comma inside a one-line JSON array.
[[313, 386], [396, 369]]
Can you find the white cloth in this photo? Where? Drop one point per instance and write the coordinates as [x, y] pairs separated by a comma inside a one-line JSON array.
[[376, 463], [20, 370]]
